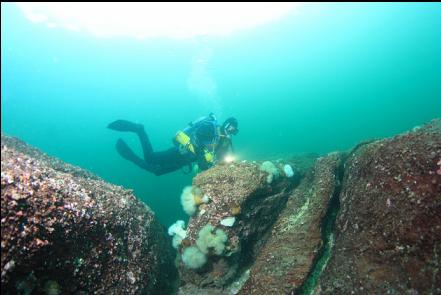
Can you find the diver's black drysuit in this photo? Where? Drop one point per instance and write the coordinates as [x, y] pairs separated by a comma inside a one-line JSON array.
[[201, 133]]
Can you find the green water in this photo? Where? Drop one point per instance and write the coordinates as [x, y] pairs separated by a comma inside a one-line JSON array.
[[321, 79]]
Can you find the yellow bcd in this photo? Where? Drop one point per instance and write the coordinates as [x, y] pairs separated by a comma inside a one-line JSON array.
[[184, 140]]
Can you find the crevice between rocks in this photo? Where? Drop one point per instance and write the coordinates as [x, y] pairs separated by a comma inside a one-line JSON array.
[[327, 232]]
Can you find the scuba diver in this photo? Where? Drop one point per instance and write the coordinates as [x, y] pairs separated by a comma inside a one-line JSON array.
[[203, 142]]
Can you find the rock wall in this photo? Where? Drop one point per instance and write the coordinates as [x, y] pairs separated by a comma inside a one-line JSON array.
[[362, 222], [367, 221], [65, 231], [388, 231]]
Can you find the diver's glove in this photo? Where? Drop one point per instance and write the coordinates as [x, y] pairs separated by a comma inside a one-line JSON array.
[[209, 157]]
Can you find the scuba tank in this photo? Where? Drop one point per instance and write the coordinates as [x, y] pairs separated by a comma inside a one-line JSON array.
[[187, 140], [185, 145], [184, 142]]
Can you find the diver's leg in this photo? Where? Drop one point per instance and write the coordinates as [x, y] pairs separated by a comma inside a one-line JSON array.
[[159, 163], [166, 161], [126, 152], [147, 149], [124, 125], [156, 162]]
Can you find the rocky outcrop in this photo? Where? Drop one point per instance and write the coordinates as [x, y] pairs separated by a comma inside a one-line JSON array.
[[365, 222], [387, 237], [287, 257], [65, 231], [240, 191], [362, 222]]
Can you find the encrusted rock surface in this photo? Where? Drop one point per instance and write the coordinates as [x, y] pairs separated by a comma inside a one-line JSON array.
[[363, 222], [388, 232], [65, 231], [286, 258], [237, 190], [366, 222]]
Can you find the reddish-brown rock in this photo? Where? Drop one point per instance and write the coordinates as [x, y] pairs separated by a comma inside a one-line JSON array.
[[388, 232], [65, 231]]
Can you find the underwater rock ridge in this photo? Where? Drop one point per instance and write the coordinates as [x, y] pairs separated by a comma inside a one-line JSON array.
[[387, 233], [66, 231], [365, 221]]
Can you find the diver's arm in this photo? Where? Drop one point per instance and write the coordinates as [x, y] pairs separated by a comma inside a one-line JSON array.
[[203, 161], [203, 165]]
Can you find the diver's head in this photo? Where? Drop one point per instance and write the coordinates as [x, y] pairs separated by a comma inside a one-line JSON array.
[[230, 127]]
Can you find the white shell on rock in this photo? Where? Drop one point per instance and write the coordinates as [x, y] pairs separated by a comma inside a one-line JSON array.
[[229, 221]]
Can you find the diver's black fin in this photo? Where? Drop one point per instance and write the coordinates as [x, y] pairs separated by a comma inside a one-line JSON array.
[[126, 152], [124, 125]]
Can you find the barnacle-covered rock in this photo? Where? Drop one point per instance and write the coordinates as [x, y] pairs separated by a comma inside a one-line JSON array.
[[66, 231]]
